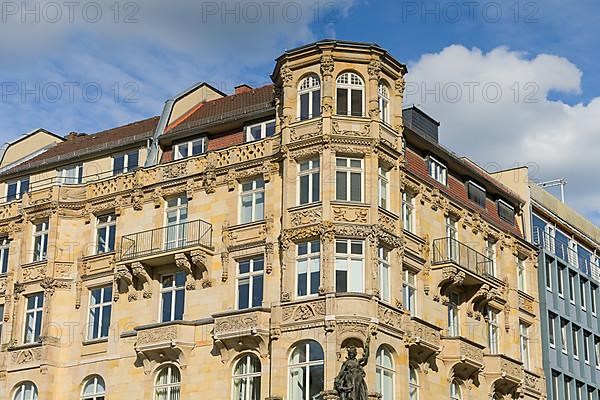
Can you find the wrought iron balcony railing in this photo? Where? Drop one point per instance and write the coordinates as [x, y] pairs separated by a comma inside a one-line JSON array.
[[561, 250], [450, 250], [169, 238]]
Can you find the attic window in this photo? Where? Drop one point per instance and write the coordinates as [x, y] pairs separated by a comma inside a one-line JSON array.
[[476, 193], [506, 212]]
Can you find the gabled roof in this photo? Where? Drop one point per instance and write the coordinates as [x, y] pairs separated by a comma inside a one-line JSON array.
[[234, 106], [78, 146]]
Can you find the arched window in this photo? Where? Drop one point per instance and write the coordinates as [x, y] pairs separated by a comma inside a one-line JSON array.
[[306, 372], [383, 93], [350, 88], [246, 378], [93, 388], [384, 370], [413, 384], [168, 383], [309, 97], [455, 393], [26, 391]]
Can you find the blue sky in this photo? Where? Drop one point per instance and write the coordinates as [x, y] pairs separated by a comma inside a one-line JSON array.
[[131, 58]]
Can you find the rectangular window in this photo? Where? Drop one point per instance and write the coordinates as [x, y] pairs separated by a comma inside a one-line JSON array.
[[524, 340], [575, 343], [408, 211], [1, 322], [554, 386], [252, 201], [191, 148], [309, 181], [521, 275], [490, 252], [572, 253], [597, 351], [250, 283], [308, 267], [176, 217], [99, 312], [437, 170], [409, 291], [71, 175], [125, 162], [579, 391], [564, 326], [4, 252], [561, 281], [383, 183], [349, 265], [172, 293], [583, 293], [548, 269], [33, 318], [349, 102], [348, 179], [384, 273], [40, 241], [593, 294], [260, 130], [453, 320], [572, 287], [106, 227], [476, 193], [586, 347], [506, 212], [493, 330], [567, 389], [16, 189], [551, 330]]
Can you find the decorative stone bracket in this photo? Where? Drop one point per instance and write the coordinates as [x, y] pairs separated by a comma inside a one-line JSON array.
[[247, 331], [172, 343], [195, 268]]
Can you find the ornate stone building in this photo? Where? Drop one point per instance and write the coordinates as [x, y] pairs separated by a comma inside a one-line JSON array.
[[236, 245]]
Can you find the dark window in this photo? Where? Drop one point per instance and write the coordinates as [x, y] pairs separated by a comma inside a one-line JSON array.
[[342, 101], [506, 212], [476, 193]]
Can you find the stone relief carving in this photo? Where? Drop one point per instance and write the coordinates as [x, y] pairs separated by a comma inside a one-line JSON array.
[[306, 216], [347, 214]]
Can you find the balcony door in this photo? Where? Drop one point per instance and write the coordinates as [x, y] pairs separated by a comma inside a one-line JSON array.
[[452, 237], [177, 216], [549, 234]]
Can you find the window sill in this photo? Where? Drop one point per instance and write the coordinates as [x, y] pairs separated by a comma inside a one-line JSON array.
[[92, 342], [34, 263], [247, 225], [305, 206], [350, 203], [99, 256]]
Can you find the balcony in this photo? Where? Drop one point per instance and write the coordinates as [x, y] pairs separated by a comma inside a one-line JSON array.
[[467, 355], [157, 343], [236, 331], [168, 239], [506, 372], [449, 252]]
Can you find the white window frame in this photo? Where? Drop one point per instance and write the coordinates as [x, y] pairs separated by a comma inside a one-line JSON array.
[[597, 351], [583, 293], [572, 286], [312, 260], [309, 85], [521, 274], [586, 347], [409, 291], [490, 252], [173, 289], [552, 330], [593, 294], [477, 186], [249, 276], [172, 387], [548, 270], [408, 211], [263, 130], [125, 156], [42, 235], [18, 188], [454, 314], [304, 366], [313, 168], [455, 391], [524, 344], [493, 331], [254, 193], [507, 205], [99, 392], [36, 313], [437, 170], [111, 221], [348, 170], [101, 307], [64, 174], [176, 209], [4, 254], [413, 384], [1, 322], [572, 254], [564, 336], [344, 262], [350, 81], [383, 185], [567, 382], [383, 99], [189, 147], [575, 339], [246, 377], [385, 271], [383, 372], [23, 388], [561, 281]]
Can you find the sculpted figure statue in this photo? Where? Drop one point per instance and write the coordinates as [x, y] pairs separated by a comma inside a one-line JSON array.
[[350, 382]]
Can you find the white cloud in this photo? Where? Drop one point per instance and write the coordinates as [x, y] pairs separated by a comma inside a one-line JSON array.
[[509, 117]]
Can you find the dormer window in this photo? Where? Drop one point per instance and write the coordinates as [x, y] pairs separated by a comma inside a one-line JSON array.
[[350, 92], [16, 189], [125, 162], [309, 98], [506, 212], [260, 130], [191, 148], [476, 193], [71, 175], [437, 170]]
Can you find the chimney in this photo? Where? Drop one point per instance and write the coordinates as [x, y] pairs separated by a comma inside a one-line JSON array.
[[74, 135], [243, 88]]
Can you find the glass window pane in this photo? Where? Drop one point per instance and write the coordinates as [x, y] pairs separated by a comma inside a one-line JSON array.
[[316, 189], [257, 291], [304, 189], [355, 187], [179, 305], [243, 294], [304, 99], [316, 103], [356, 102], [119, 164], [341, 186], [260, 209], [167, 300], [342, 101]]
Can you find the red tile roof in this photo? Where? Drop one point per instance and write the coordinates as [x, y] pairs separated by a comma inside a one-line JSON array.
[[233, 106], [76, 147]]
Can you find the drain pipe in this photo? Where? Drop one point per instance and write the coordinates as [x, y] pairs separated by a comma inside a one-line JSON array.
[[153, 151]]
